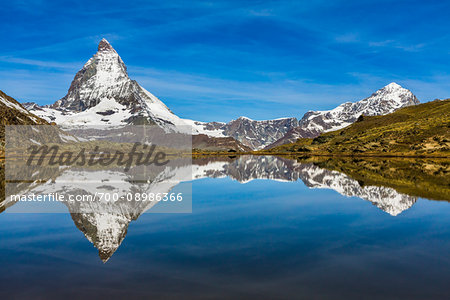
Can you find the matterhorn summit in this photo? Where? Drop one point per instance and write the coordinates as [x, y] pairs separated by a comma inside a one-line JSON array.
[[102, 93], [104, 76]]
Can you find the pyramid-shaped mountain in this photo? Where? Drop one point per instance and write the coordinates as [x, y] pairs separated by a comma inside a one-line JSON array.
[[102, 93]]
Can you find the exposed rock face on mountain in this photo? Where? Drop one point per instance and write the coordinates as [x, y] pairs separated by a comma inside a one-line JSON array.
[[291, 136], [258, 134], [13, 113], [270, 133], [251, 133], [30, 106], [102, 93], [382, 102]]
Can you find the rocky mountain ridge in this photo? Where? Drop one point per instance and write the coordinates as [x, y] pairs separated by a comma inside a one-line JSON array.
[[251, 133]]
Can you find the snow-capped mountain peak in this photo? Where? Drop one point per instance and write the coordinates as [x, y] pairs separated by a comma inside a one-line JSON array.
[[395, 95], [384, 101], [104, 45], [393, 85], [103, 76], [103, 94]]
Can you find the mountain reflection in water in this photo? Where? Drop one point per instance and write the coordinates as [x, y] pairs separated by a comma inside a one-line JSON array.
[[105, 224]]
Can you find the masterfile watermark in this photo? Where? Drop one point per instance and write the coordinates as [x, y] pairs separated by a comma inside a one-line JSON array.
[[95, 169], [98, 196], [140, 154]]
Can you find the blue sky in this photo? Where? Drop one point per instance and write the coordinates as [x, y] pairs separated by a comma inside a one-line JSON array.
[[219, 60]]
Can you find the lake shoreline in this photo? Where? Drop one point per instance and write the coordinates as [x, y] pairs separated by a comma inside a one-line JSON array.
[[303, 154]]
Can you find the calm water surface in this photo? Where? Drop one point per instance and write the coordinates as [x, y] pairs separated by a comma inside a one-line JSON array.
[[263, 228]]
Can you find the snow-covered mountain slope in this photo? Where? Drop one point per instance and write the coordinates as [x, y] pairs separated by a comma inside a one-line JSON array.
[[270, 133], [212, 129], [382, 102], [103, 94]]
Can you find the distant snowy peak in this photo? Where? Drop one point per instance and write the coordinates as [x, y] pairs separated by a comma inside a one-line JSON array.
[[102, 93], [384, 101]]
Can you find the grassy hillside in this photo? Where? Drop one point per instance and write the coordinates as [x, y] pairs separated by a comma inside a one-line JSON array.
[[13, 113], [420, 130]]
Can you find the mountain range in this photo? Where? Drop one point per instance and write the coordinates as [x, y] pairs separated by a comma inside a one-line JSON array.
[[267, 134], [102, 93]]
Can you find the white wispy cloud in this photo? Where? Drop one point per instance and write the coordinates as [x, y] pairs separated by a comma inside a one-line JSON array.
[[38, 63]]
